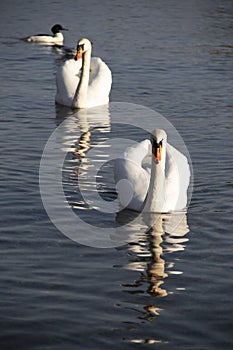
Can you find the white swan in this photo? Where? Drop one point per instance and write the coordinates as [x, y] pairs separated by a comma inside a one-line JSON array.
[[161, 189], [56, 38], [84, 81]]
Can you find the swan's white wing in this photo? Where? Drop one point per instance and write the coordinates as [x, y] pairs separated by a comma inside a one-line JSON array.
[[177, 177], [67, 79], [132, 192], [133, 189], [100, 82]]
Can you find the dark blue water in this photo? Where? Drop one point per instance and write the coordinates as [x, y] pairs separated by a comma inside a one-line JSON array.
[[169, 291]]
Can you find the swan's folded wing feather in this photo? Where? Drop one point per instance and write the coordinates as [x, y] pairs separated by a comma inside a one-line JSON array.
[[177, 178], [100, 82], [129, 167], [133, 190], [67, 79]]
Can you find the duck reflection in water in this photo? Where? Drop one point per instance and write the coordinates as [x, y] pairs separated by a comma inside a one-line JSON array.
[[147, 251]]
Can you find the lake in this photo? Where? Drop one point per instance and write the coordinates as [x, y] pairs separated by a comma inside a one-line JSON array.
[[106, 279]]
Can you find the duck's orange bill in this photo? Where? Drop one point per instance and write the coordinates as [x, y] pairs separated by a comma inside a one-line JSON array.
[[158, 154]]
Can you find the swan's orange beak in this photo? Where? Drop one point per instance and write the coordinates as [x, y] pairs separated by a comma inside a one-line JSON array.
[[79, 53], [158, 154], [157, 148]]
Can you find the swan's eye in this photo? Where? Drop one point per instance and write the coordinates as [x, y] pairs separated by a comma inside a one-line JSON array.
[[81, 46], [155, 144]]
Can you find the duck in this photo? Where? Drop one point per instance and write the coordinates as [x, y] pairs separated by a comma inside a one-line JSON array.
[[56, 38], [83, 81], [160, 187]]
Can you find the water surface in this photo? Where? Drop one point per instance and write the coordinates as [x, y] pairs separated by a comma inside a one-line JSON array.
[[170, 291]]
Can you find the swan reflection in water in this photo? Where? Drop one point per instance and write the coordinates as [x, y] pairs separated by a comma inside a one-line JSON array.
[[151, 254], [148, 249], [82, 126], [84, 129]]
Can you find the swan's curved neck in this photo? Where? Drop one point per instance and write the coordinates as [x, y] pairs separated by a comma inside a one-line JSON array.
[[80, 97], [155, 197]]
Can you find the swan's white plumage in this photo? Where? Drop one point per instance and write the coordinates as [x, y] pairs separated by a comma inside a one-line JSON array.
[[130, 166], [177, 178], [99, 85]]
